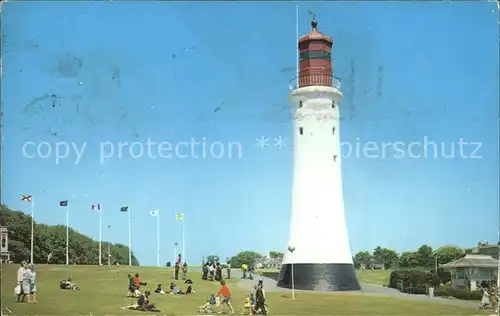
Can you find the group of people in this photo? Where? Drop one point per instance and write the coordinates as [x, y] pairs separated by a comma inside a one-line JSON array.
[[25, 288], [490, 295], [212, 271], [143, 299], [253, 304]]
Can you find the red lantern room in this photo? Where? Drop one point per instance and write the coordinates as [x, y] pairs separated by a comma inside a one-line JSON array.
[[315, 66]]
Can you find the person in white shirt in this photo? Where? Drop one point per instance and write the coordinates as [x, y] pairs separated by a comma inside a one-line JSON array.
[[211, 272], [21, 296]]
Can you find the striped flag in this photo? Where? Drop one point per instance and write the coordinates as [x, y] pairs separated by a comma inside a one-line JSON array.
[[153, 212], [96, 207], [26, 198], [63, 203], [179, 216]]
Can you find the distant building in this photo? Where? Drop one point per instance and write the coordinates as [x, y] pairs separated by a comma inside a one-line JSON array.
[[268, 263], [483, 248], [4, 243], [471, 270], [373, 265]]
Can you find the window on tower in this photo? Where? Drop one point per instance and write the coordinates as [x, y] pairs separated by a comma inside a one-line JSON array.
[[301, 130], [315, 54], [334, 157], [333, 104], [333, 130], [300, 104]]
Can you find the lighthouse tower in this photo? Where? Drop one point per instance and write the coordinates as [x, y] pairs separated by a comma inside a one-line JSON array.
[[318, 255]]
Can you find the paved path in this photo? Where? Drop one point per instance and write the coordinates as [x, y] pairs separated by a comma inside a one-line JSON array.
[[368, 289]]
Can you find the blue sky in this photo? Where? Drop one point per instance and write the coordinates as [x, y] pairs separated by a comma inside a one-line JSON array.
[[114, 72]]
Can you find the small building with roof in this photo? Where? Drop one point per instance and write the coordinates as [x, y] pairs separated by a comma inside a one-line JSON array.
[[4, 242], [471, 270]]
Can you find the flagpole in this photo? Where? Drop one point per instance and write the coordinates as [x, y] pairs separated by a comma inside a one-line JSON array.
[[67, 234], [100, 235], [32, 226], [158, 239], [183, 241], [297, 37], [129, 238]]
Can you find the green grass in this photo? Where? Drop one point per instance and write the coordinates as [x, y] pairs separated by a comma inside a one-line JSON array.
[[103, 291], [378, 277]]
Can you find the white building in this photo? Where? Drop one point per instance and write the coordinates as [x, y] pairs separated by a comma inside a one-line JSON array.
[[473, 269]]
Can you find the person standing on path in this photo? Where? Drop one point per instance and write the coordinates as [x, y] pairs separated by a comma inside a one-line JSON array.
[[228, 269], [226, 296]]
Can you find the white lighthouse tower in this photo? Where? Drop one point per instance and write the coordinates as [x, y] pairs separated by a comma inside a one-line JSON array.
[[318, 255]]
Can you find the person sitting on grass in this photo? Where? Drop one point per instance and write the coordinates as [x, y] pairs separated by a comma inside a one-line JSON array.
[[226, 296], [159, 289], [143, 304], [176, 290], [68, 285], [207, 308]]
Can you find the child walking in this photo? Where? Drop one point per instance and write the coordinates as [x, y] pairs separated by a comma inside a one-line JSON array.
[[226, 294], [247, 305]]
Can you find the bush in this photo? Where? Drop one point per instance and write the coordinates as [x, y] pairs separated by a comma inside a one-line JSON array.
[[461, 294], [418, 289], [432, 279], [406, 278], [444, 276]]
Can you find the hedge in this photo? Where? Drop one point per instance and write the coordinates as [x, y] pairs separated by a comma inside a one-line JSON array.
[[418, 282], [460, 294]]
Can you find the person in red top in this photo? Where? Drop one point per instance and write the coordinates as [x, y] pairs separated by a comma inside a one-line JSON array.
[[226, 296]]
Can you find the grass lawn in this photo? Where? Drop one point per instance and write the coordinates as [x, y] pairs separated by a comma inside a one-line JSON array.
[[379, 277], [103, 291]]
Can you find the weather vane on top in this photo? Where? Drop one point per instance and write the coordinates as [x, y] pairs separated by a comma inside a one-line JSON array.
[[312, 14]]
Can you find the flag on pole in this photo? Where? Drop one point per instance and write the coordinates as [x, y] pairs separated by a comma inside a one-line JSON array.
[[153, 212], [26, 198], [96, 207], [63, 203], [179, 216], [124, 209]]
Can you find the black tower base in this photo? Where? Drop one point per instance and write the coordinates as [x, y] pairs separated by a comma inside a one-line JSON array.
[[319, 277]]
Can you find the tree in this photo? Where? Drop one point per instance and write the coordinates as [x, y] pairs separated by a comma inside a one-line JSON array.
[[448, 253], [247, 257], [212, 258], [52, 239], [386, 256], [276, 255], [362, 258], [425, 256], [408, 259]]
